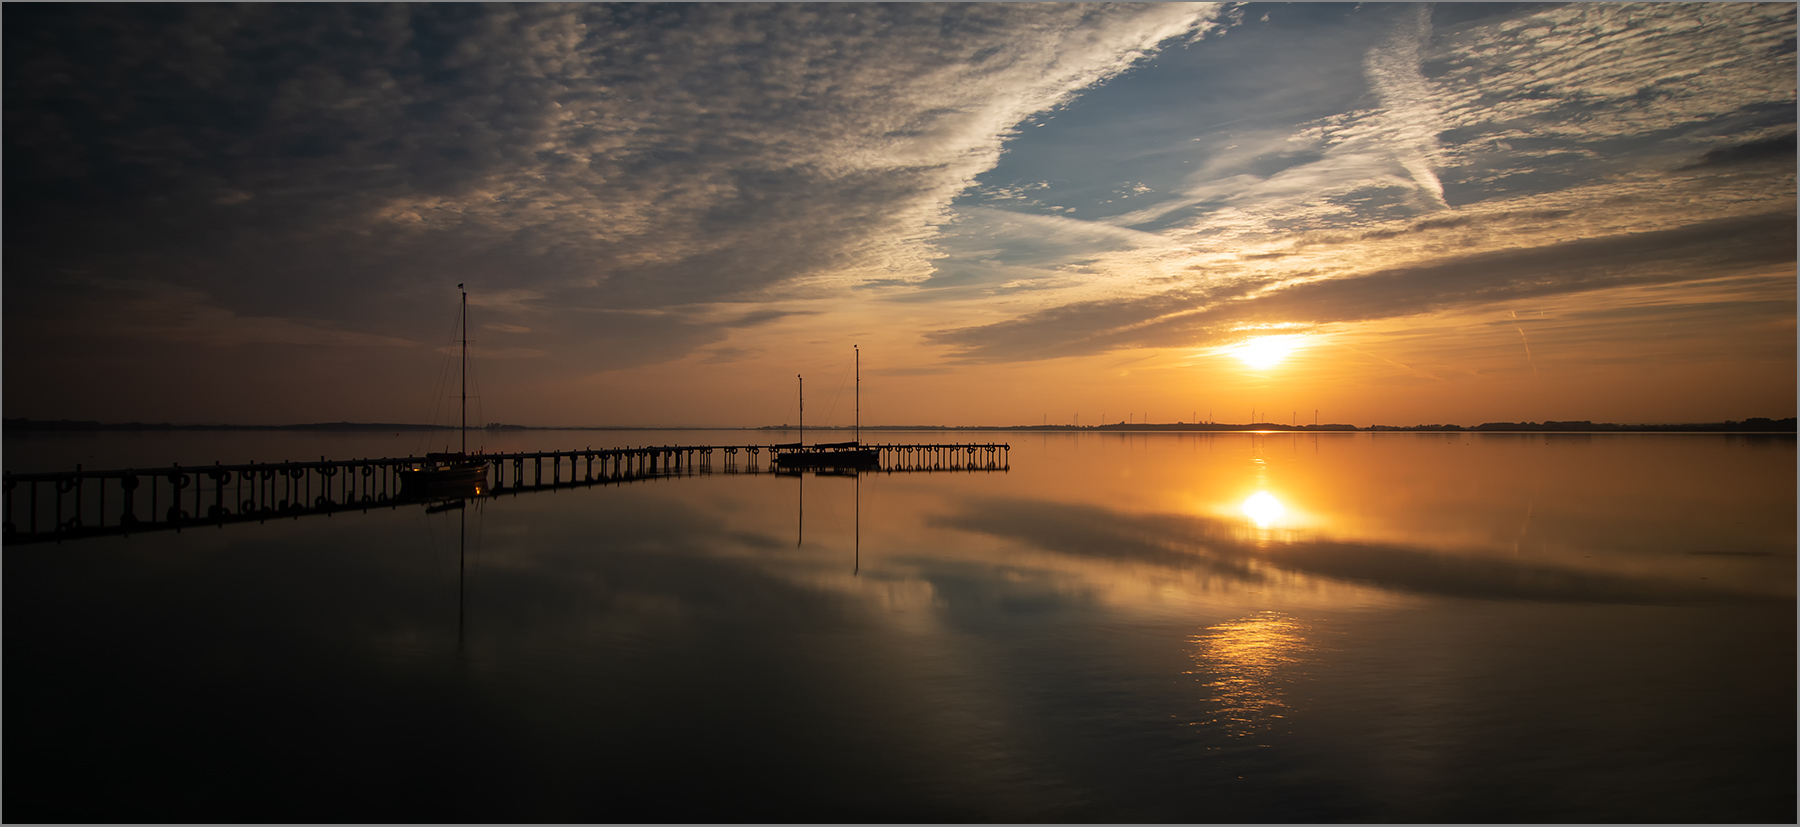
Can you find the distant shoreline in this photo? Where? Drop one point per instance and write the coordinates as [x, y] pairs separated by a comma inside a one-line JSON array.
[[1754, 425]]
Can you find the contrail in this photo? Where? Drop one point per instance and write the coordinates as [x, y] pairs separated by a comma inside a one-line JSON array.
[[1528, 359], [1393, 70], [1409, 368]]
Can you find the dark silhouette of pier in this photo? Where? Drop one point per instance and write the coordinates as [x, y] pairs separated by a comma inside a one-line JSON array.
[[63, 505]]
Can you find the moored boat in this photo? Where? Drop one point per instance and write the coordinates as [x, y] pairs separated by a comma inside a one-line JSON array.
[[827, 455], [851, 454], [444, 475], [450, 473]]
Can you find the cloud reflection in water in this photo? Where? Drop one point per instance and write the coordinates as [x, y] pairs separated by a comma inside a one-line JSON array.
[[1184, 542]]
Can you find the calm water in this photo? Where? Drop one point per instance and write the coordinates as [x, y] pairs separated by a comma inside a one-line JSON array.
[[1387, 627]]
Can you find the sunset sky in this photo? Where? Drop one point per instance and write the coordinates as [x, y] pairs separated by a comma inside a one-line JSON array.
[[1392, 214]]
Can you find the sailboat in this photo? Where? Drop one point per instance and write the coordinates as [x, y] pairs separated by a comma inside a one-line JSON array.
[[851, 454], [450, 474]]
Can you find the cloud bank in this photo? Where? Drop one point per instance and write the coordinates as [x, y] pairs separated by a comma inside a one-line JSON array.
[[726, 188], [606, 156]]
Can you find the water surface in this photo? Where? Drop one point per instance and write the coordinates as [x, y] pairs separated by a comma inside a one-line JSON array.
[[1166, 627]]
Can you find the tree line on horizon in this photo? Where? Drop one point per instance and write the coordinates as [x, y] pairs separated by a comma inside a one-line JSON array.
[[1751, 425]]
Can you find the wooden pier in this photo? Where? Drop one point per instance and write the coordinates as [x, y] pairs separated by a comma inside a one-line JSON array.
[[61, 505]]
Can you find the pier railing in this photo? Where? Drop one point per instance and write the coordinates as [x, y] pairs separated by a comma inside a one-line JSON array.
[[62, 505]]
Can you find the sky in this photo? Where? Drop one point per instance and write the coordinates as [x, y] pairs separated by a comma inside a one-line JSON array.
[[1018, 213]]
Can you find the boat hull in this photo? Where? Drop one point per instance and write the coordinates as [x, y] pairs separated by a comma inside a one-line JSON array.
[[457, 480], [849, 458]]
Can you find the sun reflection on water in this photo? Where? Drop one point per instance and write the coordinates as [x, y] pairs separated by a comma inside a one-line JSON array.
[[1263, 509], [1249, 662]]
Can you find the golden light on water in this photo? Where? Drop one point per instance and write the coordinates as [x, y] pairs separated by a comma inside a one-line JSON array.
[[1263, 509], [1248, 661]]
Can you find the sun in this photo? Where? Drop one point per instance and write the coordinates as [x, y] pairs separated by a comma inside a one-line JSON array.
[[1264, 352]]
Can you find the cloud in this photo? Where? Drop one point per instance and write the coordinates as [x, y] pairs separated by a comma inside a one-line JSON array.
[[1703, 250], [1779, 148], [625, 185], [619, 185], [1184, 318], [1394, 74], [1471, 114], [154, 311], [1069, 330], [1579, 91], [725, 355], [599, 155], [1481, 177], [761, 317], [990, 251]]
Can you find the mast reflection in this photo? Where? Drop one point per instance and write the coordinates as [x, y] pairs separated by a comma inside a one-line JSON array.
[[460, 506], [856, 568], [800, 529]]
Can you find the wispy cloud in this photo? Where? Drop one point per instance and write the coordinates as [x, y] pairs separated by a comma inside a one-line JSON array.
[[1412, 121], [762, 317], [1187, 319], [1348, 218]]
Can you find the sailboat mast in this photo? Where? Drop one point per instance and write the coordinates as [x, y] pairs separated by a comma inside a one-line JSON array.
[[465, 370], [858, 393], [802, 408]]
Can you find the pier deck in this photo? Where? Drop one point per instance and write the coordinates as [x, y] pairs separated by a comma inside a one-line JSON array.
[[58, 505]]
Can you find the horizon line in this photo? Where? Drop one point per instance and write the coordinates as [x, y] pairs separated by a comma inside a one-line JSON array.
[[1756, 423]]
